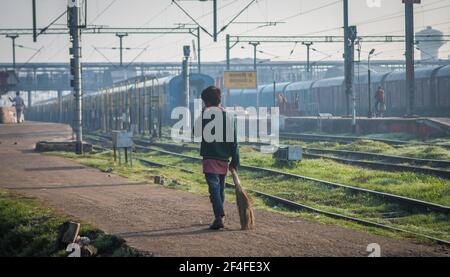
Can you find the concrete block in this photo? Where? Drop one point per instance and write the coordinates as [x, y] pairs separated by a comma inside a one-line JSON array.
[[64, 146]]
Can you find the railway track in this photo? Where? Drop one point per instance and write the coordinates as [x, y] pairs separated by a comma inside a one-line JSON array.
[[294, 206], [384, 162], [410, 202], [350, 139], [381, 157], [381, 161], [380, 165]]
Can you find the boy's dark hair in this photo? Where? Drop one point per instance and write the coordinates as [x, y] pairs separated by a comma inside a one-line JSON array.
[[212, 95]]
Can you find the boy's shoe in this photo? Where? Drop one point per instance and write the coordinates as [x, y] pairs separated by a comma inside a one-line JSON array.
[[217, 224]]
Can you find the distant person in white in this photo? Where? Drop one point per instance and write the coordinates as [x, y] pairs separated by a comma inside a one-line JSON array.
[[19, 104]]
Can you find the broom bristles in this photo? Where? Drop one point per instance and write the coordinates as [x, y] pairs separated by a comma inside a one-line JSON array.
[[244, 204]]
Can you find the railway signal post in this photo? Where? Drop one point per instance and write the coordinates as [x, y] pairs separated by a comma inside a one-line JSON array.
[[75, 69], [347, 64], [409, 54]]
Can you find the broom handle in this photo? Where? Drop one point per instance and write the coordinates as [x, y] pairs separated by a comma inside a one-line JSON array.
[[236, 179]]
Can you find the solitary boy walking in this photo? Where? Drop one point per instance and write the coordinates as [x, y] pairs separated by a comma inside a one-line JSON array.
[[216, 154]]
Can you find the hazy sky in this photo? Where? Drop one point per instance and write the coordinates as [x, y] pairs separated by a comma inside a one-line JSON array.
[[301, 17]]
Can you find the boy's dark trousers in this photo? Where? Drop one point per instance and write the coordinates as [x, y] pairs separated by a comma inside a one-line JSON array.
[[216, 187]]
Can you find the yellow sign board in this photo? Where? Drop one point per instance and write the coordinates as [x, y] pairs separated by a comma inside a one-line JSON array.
[[240, 79]]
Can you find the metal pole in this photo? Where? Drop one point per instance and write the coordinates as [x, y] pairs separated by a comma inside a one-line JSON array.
[[274, 88], [254, 56], [228, 51], [255, 45], [159, 110], [409, 41], [150, 111], [227, 46], [76, 46], [120, 36], [121, 50], [369, 115], [350, 36], [352, 77], [347, 56], [34, 21], [14, 51], [307, 59], [215, 19], [359, 73], [186, 52], [199, 51], [13, 38], [308, 66], [186, 79], [30, 99], [60, 107]]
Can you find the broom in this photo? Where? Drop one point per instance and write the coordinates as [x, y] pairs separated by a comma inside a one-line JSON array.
[[244, 204]]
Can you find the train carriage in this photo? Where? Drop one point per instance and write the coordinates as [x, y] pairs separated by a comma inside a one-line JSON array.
[[395, 93], [303, 90], [443, 91], [396, 97], [107, 108], [362, 91], [233, 97], [425, 90], [127, 104], [270, 98], [330, 94]]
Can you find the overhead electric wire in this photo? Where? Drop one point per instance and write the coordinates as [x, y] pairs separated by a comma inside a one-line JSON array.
[[103, 11], [237, 15], [398, 14], [106, 58], [32, 57], [310, 11], [51, 23], [367, 22], [218, 9], [158, 14], [176, 42], [58, 51], [192, 18], [142, 52], [99, 14], [162, 35], [395, 15]]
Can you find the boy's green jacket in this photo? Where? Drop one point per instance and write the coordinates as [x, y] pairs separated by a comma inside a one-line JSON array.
[[221, 150]]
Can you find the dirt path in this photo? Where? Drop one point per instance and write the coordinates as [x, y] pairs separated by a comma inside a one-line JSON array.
[[169, 222]]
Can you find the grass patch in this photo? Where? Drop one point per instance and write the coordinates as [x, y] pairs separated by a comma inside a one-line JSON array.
[[418, 186], [304, 192], [435, 152], [29, 229]]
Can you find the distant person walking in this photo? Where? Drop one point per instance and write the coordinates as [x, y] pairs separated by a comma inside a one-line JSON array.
[[380, 102], [19, 104], [280, 102], [216, 154]]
